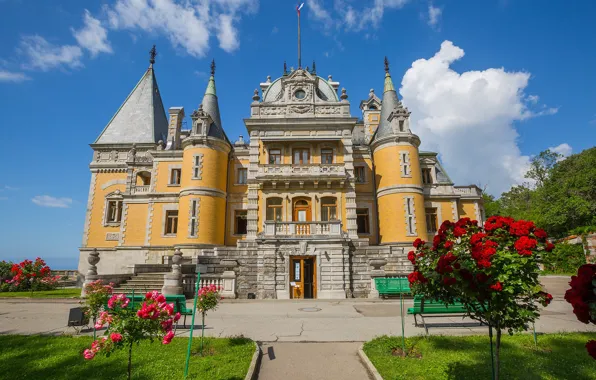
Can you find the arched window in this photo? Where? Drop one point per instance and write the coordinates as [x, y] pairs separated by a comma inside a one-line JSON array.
[[274, 209], [328, 209], [143, 179]]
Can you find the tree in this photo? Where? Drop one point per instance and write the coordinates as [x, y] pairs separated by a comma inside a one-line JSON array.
[[541, 166], [493, 272], [492, 206]]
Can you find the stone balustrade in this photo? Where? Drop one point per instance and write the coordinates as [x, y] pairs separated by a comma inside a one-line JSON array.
[[290, 171], [302, 229], [472, 191]]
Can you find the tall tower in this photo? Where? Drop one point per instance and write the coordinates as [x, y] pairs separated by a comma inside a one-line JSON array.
[[397, 168], [203, 193]]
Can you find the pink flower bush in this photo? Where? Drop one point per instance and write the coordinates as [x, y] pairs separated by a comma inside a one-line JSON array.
[[154, 320], [31, 275]]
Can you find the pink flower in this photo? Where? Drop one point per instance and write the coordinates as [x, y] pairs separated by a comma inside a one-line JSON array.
[[116, 337], [168, 337], [176, 317], [88, 354], [98, 325]]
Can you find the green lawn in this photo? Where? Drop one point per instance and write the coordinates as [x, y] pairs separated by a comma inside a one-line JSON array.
[[558, 356], [53, 357], [57, 293]]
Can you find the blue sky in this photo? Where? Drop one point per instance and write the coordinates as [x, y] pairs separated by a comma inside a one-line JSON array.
[[516, 78]]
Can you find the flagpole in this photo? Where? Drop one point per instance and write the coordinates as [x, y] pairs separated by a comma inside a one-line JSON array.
[[299, 53]]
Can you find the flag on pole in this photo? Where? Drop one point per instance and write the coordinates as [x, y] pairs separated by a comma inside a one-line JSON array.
[[298, 8]]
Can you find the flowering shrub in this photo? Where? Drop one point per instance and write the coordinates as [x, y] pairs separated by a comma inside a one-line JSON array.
[[154, 320], [31, 275], [208, 298], [493, 271], [582, 296], [96, 296]]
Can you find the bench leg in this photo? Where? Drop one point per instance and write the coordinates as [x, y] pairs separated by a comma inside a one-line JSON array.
[[415, 321], [424, 324]]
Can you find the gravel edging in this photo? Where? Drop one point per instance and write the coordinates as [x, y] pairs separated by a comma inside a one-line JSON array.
[[369, 366], [253, 369]]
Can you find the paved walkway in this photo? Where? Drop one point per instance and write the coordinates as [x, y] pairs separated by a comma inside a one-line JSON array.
[[311, 361]]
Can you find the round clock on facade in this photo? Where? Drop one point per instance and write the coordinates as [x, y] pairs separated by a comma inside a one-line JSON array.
[[300, 94]]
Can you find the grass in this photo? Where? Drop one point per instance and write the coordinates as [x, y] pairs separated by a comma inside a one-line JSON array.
[[558, 356], [56, 293], [60, 357]]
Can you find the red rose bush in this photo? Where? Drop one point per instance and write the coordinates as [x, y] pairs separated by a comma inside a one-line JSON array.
[[31, 275], [493, 271], [127, 325], [582, 296]]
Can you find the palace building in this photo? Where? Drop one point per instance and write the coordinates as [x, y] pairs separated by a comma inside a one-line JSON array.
[[314, 203]]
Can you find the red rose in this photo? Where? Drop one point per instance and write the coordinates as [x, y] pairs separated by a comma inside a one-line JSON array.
[[477, 238], [445, 225], [448, 244], [521, 228], [448, 281], [591, 347], [540, 233], [546, 298], [483, 263], [497, 286], [481, 277], [418, 243], [415, 277], [549, 247], [458, 231], [457, 265], [412, 257], [524, 244]]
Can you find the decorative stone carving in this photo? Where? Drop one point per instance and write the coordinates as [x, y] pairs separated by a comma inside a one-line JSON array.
[[301, 109], [91, 275], [377, 263]]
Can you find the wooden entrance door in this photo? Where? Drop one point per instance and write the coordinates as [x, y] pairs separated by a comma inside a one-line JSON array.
[[303, 277], [302, 213]]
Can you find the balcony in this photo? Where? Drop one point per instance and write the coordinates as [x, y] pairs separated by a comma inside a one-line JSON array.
[[302, 229], [468, 191], [301, 172]]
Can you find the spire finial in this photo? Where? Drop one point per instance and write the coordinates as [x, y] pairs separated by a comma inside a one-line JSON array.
[[152, 54], [314, 67], [386, 65], [213, 68], [285, 68]]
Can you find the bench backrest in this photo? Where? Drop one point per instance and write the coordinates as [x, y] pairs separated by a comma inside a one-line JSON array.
[[393, 285]]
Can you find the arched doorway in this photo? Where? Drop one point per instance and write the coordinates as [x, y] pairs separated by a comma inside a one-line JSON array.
[[302, 215]]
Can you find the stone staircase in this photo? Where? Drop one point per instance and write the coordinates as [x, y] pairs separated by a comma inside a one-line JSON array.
[[141, 283]]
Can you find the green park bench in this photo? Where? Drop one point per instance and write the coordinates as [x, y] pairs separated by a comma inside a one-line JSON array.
[[392, 286], [428, 308]]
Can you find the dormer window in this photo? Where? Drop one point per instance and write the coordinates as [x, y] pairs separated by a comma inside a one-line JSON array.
[[300, 94], [401, 125]]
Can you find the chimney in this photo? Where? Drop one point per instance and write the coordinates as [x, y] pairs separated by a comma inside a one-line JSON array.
[[174, 128]]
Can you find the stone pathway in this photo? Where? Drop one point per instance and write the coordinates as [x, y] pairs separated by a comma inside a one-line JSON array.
[[312, 361]]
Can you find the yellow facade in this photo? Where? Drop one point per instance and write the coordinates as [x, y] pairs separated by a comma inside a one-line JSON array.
[[104, 184], [135, 224]]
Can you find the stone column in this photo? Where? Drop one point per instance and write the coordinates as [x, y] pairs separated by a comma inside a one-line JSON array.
[[172, 282], [229, 278], [376, 272], [91, 275]]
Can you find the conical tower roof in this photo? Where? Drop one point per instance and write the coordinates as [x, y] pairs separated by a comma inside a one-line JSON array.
[[389, 103], [211, 107], [141, 118]]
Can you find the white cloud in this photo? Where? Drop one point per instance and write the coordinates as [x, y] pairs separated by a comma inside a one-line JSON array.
[[49, 201], [187, 24], [347, 17], [42, 55], [469, 118], [93, 36], [227, 34], [533, 99], [10, 76], [434, 15], [563, 149]]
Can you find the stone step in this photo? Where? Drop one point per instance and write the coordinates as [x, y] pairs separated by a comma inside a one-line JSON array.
[[138, 290], [143, 281]]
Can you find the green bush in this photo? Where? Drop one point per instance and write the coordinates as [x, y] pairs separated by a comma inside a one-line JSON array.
[[583, 230], [564, 259], [5, 273]]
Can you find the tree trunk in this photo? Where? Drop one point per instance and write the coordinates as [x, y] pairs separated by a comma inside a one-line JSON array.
[[497, 366], [129, 360]]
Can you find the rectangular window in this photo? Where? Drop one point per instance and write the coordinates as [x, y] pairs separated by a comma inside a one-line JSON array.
[[241, 222], [301, 156], [410, 218], [197, 166], [326, 156], [401, 125], [274, 207], [114, 212], [359, 173], [175, 176], [362, 220], [431, 220], [274, 156], [427, 177], [404, 158], [171, 222], [328, 209], [242, 175], [194, 223]]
